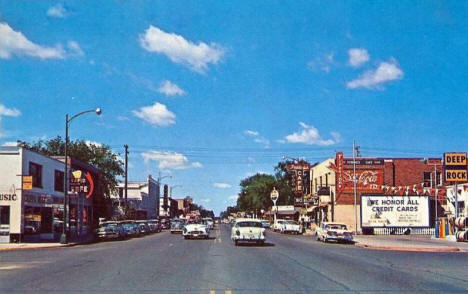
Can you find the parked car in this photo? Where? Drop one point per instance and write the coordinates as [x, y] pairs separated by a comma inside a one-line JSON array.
[[192, 231], [131, 230], [111, 230], [334, 232], [144, 228], [266, 224], [154, 226], [248, 230], [177, 226], [165, 224]]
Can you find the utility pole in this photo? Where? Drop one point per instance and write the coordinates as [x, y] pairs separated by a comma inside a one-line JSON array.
[[126, 175], [354, 187]]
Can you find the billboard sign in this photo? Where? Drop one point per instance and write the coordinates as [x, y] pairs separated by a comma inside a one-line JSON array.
[[455, 167], [379, 211]]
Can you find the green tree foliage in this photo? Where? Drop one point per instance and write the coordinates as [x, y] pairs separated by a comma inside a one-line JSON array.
[[99, 156], [255, 193]]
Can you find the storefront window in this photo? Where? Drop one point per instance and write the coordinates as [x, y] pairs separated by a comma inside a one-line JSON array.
[[58, 180], [4, 215], [32, 220]]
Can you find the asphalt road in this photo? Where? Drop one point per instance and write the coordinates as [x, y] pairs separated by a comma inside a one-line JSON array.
[[165, 263]]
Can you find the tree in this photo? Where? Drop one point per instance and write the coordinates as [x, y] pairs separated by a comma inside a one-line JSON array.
[[99, 156], [255, 192]]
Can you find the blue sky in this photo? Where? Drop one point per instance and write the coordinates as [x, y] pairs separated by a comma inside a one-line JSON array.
[[213, 91]]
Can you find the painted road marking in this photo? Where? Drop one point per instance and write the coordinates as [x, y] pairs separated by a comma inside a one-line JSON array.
[[212, 292], [228, 292]]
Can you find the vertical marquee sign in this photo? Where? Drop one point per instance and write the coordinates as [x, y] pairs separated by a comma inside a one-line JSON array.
[[301, 177]]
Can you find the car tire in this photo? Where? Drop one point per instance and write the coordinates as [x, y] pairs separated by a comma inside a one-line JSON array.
[[236, 242], [262, 243]]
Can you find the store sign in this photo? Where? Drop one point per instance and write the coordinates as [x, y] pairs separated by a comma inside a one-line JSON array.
[[455, 167], [378, 211], [367, 180], [8, 197], [364, 161], [82, 183], [27, 182], [301, 177]]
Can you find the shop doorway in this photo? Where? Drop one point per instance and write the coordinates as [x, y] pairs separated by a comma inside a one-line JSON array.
[[4, 224]]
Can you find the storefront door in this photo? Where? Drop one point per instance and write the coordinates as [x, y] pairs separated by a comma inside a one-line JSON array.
[[4, 224]]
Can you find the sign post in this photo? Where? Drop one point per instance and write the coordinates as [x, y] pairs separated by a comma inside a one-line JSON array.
[[274, 195]]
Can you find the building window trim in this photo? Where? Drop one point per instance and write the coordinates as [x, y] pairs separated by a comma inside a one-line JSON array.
[[37, 177]]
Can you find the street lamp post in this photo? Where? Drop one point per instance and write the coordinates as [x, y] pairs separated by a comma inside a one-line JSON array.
[[64, 236]]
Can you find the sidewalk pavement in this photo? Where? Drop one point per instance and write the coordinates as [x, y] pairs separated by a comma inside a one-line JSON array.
[[29, 246], [420, 243]]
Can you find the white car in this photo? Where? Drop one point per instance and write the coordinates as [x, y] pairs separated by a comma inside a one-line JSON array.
[[278, 224], [334, 232], [195, 231], [290, 226], [209, 222], [248, 230]]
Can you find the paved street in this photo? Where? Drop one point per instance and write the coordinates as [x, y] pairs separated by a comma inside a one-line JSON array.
[[165, 263]]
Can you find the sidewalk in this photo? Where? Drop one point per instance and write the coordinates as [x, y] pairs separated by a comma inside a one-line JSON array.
[[420, 243], [29, 246]]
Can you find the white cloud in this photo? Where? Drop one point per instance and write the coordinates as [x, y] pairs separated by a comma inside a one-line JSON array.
[[258, 139], [5, 111], [357, 56], [170, 89], [205, 200], [373, 79], [197, 57], [222, 185], [310, 135], [74, 49], [122, 118], [156, 114], [10, 144], [169, 160], [251, 133], [57, 11], [322, 63], [15, 43]]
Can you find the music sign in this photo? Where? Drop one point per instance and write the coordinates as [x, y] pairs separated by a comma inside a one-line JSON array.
[[455, 167]]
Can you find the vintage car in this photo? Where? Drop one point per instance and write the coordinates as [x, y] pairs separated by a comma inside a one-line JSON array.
[[208, 221], [278, 224], [334, 232], [195, 231], [111, 230], [177, 226], [290, 226], [154, 225], [248, 230]]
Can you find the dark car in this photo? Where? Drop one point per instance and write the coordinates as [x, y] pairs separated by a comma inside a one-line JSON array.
[[109, 231]]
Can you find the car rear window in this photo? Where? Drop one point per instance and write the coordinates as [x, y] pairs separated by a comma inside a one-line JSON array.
[[336, 227], [250, 224]]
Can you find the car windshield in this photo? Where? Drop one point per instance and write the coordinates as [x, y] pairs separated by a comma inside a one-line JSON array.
[[291, 223], [336, 227], [249, 224]]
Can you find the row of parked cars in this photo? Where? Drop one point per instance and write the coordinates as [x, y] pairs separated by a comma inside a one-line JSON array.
[[119, 230]]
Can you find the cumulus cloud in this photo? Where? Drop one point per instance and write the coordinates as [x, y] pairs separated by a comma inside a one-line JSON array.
[[205, 200], [89, 143], [5, 111], [197, 57], [15, 43], [233, 197], [57, 11], [374, 79], [222, 185], [156, 114], [358, 56], [310, 135], [169, 160], [170, 89], [10, 144]]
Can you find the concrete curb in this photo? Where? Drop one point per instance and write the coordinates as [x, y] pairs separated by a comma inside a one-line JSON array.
[[38, 247], [409, 249]]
